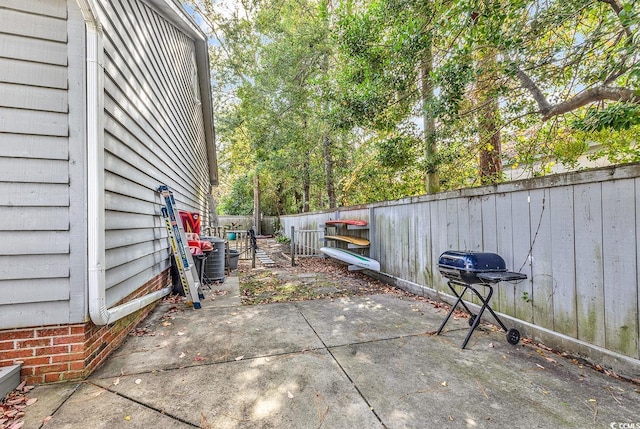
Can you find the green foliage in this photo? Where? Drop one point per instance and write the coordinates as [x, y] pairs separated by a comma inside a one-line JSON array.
[[617, 146], [618, 116], [239, 201], [288, 75]]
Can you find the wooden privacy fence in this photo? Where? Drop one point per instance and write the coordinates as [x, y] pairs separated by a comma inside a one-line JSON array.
[[575, 235]]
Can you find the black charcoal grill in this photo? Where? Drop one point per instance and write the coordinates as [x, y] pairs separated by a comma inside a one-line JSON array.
[[466, 269]]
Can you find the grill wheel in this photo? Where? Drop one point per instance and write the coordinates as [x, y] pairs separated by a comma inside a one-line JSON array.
[[513, 336]]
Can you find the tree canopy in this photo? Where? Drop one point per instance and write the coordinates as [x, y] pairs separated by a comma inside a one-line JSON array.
[[323, 104]]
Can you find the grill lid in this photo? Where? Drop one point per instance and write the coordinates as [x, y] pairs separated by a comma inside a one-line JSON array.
[[466, 265], [472, 261]]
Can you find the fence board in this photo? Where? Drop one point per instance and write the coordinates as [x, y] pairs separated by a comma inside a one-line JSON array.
[[520, 210], [500, 220], [587, 202], [464, 231], [563, 259], [424, 268], [475, 224], [541, 269], [452, 224], [620, 269]]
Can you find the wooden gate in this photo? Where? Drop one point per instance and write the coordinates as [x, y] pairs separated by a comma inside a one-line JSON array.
[[305, 242]]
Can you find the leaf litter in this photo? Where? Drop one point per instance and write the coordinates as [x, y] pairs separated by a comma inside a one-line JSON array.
[[13, 407]]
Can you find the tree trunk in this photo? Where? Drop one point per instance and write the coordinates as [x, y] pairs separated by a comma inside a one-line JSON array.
[[328, 166], [426, 94], [488, 120], [306, 186], [256, 204]]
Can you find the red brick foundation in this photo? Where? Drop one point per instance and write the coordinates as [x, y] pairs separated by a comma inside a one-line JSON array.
[[70, 352]]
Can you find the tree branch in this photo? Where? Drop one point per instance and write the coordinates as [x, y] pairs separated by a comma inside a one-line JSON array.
[[536, 93], [599, 93], [617, 8]]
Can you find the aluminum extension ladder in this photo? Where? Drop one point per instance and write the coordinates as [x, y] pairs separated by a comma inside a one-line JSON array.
[[180, 249]]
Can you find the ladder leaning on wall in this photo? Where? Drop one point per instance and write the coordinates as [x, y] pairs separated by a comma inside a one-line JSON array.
[[180, 249]]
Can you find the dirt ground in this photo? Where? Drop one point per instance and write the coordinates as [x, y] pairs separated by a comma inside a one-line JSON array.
[[310, 278]]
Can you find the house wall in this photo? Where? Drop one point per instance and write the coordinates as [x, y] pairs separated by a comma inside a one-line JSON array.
[[153, 135], [575, 235], [42, 268]]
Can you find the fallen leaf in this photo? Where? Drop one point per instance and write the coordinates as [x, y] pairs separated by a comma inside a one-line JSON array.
[[138, 381], [116, 381], [539, 366], [240, 357], [290, 395], [32, 401], [166, 323], [17, 425], [551, 360], [198, 358], [46, 419], [179, 333], [182, 355]]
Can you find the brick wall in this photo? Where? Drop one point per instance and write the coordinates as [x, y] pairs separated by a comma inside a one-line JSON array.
[[70, 352]]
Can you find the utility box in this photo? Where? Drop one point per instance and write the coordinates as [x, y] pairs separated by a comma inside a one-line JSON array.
[[9, 379]]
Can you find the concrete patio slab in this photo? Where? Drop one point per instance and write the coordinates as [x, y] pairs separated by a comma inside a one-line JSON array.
[[359, 362], [183, 337], [285, 391]]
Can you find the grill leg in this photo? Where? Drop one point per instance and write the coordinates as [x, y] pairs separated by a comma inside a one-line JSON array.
[[453, 307], [476, 320]]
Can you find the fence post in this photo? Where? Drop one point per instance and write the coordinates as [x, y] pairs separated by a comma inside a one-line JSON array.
[[293, 246]]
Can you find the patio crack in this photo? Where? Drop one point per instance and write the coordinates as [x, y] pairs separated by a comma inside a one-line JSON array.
[[143, 404], [346, 374]]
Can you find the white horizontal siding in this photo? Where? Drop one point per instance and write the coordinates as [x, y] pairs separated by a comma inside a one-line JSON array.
[[32, 25], [20, 267], [35, 239], [20, 219], [33, 122], [133, 281], [34, 170], [39, 313], [33, 146], [153, 135], [34, 194], [56, 9], [35, 74], [33, 290], [33, 97], [121, 273], [122, 238], [34, 242], [36, 50]]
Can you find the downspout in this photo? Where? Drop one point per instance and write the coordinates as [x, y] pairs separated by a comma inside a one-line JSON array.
[[98, 311]]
